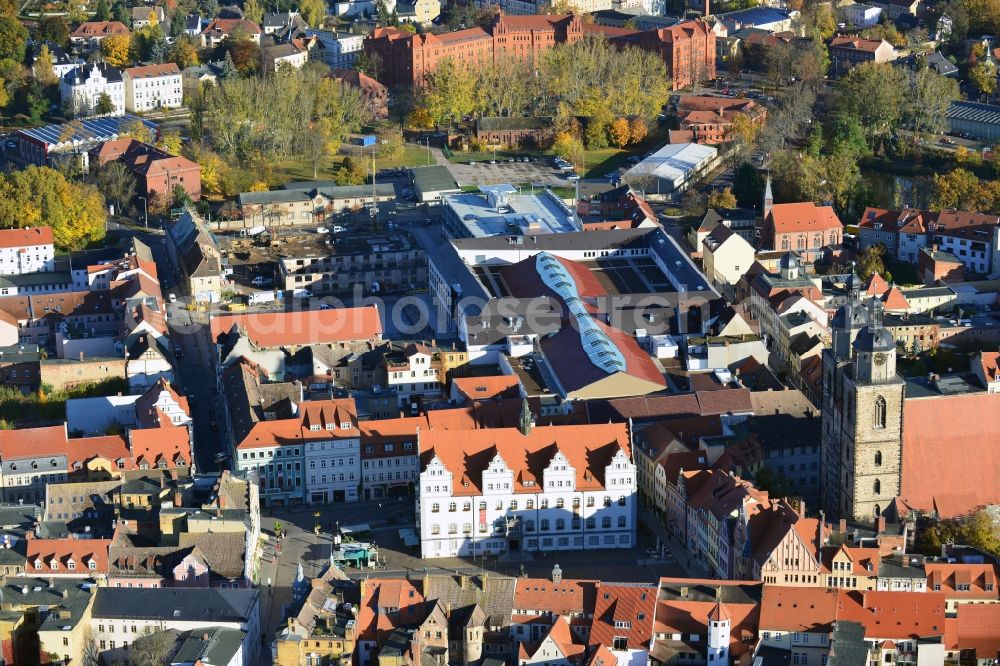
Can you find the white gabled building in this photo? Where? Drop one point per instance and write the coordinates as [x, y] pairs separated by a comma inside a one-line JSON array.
[[153, 87], [491, 491], [340, 49], [81, 89], [27, 251]]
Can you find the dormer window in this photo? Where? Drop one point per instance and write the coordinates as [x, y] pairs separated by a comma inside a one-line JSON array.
[[345, 425], [71, 564], [92, 564], [39, 564], [314, 427], [54, 565], [329, 426]]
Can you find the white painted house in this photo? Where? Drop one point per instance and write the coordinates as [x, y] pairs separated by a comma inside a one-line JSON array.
[[81, 89], [27, 251], [526, 489], [153, 87]]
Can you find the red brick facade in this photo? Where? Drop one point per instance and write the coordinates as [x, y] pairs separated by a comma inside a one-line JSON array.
[[688, 49], [156, 171]]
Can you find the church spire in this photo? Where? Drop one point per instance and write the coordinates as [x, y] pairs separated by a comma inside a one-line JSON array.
[[525, 420]]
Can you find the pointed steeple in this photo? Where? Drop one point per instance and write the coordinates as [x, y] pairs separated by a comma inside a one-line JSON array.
[[525, 420], [768, 197]]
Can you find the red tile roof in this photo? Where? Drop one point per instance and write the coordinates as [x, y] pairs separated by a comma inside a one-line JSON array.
[[951, 470], [89, 29], [80, 551], [484, 388], [946, 577], [220, 27], [856, 43], [990, 364], [674, 616], [624, 610], [587, 448], [155, 445], [303, 327], [560, 599], [387, 594], [897, 615], [798, 609], [111, 448], [153, 71], [805, 216], [894, 300], [876, 285], [26, 237], [977, 627], [325, 415], [30, 442]]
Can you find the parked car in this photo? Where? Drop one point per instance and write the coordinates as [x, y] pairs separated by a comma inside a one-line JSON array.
[[178, 352], [322, 230], [572, 176], [260, 281], [337, 229]]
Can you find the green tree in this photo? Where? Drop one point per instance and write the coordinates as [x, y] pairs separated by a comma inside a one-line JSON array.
[[45, 73], [38, 196], [252, 11], [748, 188], [120, 13], [229, 70], [313, 11], [871, 260], [13, 39], [53, 29], [722, 199], [595, 133], [874, 93], [105, 106], [103, 12], [117, 184], [983, 75], [569, 147], [928, 99], [450, 93], [183, 52]]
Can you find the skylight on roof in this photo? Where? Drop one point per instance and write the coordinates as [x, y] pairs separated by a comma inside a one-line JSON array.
[[601, 351]]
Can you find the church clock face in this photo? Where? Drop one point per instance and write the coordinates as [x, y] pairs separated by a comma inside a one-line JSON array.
[[880, 359]]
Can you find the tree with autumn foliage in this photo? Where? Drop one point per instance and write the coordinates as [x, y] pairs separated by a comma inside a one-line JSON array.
[[620, 132], [115, 49], [723, 198], [637, 130], [40, 196]]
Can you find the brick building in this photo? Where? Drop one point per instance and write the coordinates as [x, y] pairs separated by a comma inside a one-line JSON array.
[[687, 49], [156, 172]]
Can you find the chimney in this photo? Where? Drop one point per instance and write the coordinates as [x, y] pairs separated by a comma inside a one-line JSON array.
[[65, 594], [204, 637], [708, 11], [81, 355], [684, 591], [819, 532], [906, 560], [177, 500], [464, 580], [802, 508], [880, 525], [842, 528]]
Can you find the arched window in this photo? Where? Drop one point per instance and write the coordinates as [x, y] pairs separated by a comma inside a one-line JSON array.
[[878, 511], [878, 458], [818, 240], [877, 487], [880, 412], [801, 242], [784, 243]]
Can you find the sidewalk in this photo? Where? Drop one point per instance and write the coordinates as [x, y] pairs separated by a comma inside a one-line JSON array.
[[693, 568]]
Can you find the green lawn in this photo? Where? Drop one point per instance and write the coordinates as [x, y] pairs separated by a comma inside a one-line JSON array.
[[300, 169]]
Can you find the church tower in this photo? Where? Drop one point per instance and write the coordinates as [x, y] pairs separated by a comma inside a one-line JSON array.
[[862, 414]]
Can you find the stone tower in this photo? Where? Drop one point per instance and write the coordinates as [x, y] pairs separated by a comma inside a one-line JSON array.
[[862, 413]]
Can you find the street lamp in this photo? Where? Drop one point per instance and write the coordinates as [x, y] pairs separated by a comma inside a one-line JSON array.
[[145, 213]]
